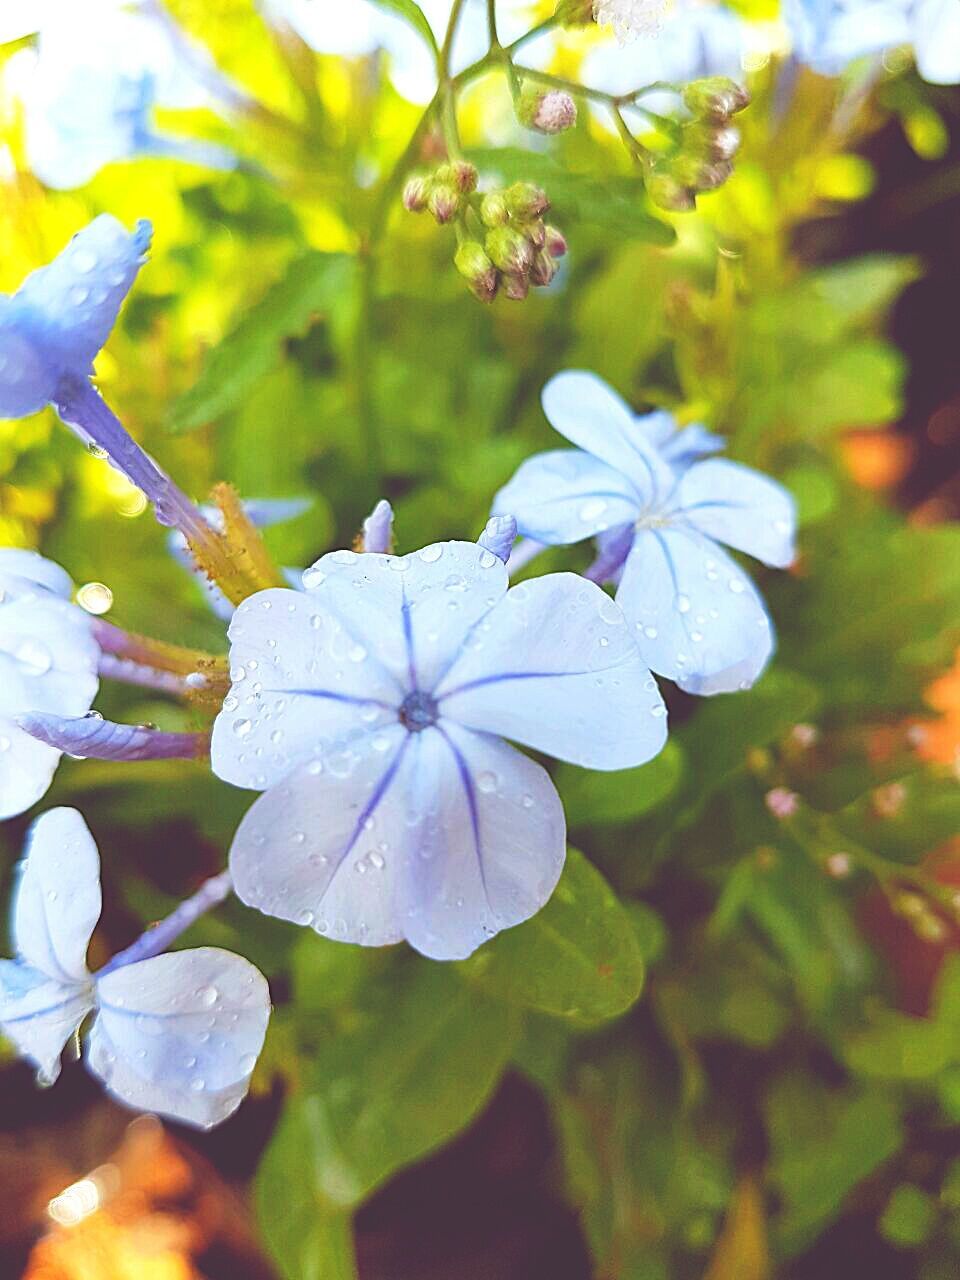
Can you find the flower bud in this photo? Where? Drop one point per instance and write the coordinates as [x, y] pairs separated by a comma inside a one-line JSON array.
[[473, 263], [711, 141], [415, 193], [699, 174], [555, 243], [459, 174], [526, 201], [667, 193], [535, 232], [443, 202], [716, 96], [552, 111], [574, 13], [493, 209], [515, 287], [543, 270], [510, 250]]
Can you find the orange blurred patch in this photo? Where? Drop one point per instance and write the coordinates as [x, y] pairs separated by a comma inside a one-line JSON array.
[[876, 459], [941, 738]]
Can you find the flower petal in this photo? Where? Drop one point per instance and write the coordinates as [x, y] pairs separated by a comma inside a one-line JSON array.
[[303, 681], [566, 495], [27, 767], [20, 570], [592, 416], [180, 1033], [740, 507], [694, 612], [69, 306], [488, 847], [58, 898], [323, 847], [27, 380], [558, 669], [444, 838], [40, 1014], [415, 611]]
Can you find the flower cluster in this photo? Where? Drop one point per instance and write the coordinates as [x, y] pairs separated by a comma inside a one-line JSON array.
[[372, 699], [518, 248], [702, 159]]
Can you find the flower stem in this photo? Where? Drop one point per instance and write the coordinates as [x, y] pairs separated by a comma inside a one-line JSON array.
[[158, 938]]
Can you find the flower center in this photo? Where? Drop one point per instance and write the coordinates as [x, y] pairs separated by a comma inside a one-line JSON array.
[[418, 711]]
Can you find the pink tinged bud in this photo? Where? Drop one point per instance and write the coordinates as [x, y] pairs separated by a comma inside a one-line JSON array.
[[515, 287], [465, 177], [543, 270], [526, 201], [805, 735], [415, 194], [443, 202], [553, 112], [716, 96], [782, 803], [555, 243], [510, 250], [838, 865], [536, 233], [474, 264]]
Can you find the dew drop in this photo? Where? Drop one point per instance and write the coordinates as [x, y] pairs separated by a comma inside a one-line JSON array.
[[487, 782], [736, 585], [312, 578], [242, 727], [592, 510], [431, 554], [683, 603]]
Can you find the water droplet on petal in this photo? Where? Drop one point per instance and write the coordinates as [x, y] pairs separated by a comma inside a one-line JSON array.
[[242, 727], [683, 603], [431, 554], [487, 782]]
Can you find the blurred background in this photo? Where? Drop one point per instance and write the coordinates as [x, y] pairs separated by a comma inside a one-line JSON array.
[[784, 1098]]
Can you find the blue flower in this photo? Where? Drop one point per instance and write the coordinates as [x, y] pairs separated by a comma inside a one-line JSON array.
[[830, 34], [696, 617], [177, 1033], [53, 326], [90, 89], [370, 708], [48, 663]]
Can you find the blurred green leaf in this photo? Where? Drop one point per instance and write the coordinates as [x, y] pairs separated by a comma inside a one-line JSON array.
[[308, 1237], [823, 1143], [592, 797], [406, 1071], [312, 283], [578, 958], [909, 1216]]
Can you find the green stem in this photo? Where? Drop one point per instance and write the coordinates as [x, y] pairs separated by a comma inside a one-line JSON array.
[[531, 34], [492, 24]]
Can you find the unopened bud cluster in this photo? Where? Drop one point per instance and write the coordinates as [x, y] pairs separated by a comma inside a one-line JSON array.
[[703, 160], [522, 248], [512, 247], [442, 192], [547, 111]]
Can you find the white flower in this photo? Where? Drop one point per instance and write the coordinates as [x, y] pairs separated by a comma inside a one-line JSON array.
[[48, 662], [629, 19]]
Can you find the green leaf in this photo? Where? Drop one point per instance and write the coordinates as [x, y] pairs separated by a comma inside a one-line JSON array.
[[411, 1068], [590, 796], [616, 204], [578, 958], [411, 13], [309, 1238], [313, 282], [909, 1216], [814, 1176], [860, 385]]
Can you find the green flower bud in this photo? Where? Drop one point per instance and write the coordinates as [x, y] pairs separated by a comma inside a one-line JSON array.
[[515, 287], [459, 174], [574, 13], [535, 232], [493, 209], [443, 202], [473, 263], [667, 193], [716, 96], [711, 140], [526, 201], [510, 250]]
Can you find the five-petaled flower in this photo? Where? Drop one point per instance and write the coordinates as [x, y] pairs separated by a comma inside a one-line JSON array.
[[177, 1033], [48, 663], [370, 708], [658, 515]]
